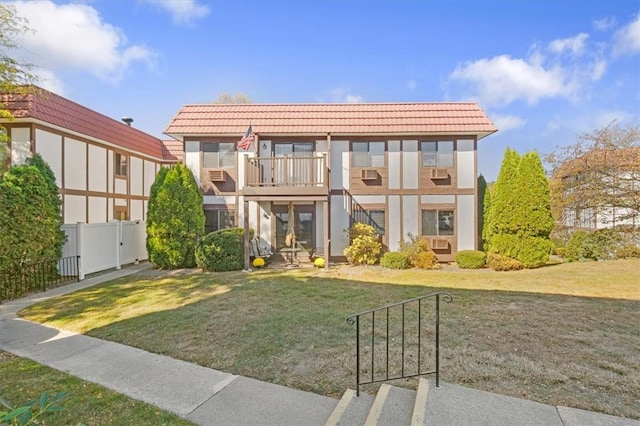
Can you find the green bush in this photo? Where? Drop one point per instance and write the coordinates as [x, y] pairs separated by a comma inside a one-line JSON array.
[[221, 250], [395, 260], [419, 252], [532, 252], [499, 262], [365, 245], [576, 248], [602, 244], [471, 259], [30, 215]]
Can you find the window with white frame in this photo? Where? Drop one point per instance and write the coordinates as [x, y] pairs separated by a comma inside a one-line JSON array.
[[375, 218], [218, 155], [367, 154], [437, 223], [437, 153], [218, 219]]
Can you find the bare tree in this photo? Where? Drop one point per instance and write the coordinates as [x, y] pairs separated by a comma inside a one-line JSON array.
[[228, 98], [598, 176]]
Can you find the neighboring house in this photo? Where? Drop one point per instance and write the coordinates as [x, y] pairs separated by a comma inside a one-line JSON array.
[[601, 189], [103, 167], [405, 168]]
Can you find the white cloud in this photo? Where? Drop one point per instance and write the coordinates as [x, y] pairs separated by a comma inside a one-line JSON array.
[[626, 41], [564, 68], [502, 80], [340, 95], [604, 23], [74, 37], [506, 122], [183, 12], [574, 45]]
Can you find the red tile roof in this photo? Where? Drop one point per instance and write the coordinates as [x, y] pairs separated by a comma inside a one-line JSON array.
[[56, 110], [337, 119]]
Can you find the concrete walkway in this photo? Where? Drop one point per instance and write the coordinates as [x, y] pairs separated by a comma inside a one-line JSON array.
[[210, 397]]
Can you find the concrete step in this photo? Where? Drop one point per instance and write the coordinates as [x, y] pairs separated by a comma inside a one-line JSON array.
[[391, 406]]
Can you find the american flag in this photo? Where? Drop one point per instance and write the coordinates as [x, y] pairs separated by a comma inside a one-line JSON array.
[[247, 139]]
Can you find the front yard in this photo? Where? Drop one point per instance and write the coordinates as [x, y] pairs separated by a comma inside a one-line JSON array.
[[564, 335]]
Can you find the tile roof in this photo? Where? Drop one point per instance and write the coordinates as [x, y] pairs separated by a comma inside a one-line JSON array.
[[337, 119], [56, 110], [174, 148]]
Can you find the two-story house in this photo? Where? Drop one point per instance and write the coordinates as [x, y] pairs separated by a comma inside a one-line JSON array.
[[104, 168], [405, 168]]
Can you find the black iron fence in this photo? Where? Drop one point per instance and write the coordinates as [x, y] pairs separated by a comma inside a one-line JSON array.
[[26, 278], [391, 342]]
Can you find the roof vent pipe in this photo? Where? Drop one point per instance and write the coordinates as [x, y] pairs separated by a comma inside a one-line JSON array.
[[127, 120]]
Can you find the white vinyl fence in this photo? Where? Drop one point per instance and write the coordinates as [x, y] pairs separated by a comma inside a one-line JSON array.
[[104, 246]]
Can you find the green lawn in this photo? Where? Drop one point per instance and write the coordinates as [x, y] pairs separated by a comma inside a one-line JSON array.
[[22, 380], [564, 335]]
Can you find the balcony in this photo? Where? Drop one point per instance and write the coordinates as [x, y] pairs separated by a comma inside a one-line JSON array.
[[273, 178]]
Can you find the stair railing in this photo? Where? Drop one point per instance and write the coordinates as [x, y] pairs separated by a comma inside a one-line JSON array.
[[404, 307]]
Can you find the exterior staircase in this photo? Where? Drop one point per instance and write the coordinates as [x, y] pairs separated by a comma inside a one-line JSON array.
[[391, 406]]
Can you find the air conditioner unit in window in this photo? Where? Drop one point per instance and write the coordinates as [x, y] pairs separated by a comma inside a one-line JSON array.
[[217, 175], [369, 174], [439, 174], [439, 244]]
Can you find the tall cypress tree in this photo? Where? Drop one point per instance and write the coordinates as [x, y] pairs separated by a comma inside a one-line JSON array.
[[176, 219], [503, 199], [520, 211]]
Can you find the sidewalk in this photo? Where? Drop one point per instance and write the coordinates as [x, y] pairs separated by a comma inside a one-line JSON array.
[[210, 397]]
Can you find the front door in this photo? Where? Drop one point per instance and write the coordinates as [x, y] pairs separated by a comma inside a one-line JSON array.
[[303, 225]]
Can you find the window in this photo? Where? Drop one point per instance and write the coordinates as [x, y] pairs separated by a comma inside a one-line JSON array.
[[374, 218], [437, 154], [218, 155], [436, 223], [121, 165], [218, 219], [368, 154]]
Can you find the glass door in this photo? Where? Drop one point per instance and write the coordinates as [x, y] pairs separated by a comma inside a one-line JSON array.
[[303, 226]]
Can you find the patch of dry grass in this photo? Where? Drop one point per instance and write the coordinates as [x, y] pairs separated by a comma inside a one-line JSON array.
[[562, 335]]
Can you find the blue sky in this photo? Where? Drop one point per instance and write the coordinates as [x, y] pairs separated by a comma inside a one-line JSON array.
[[544, 71]]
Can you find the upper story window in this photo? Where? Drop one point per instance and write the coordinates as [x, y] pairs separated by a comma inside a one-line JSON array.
[[121, 165], [368, 154], [437, 223], [374, 218], [437, 153], [218, 155]]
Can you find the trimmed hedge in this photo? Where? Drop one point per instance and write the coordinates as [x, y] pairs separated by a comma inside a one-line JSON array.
[[395, 260], [471, 259], [222, 250]]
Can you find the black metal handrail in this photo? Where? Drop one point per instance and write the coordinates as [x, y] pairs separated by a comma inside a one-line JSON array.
[[402, 306], [24, 278]]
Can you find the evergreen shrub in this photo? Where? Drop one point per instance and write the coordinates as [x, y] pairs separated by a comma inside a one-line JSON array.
[[471, 259], [395, 260], [221, 250], [628, 251], [176, 219]]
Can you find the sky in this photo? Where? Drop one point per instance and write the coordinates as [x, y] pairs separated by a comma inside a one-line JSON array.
[[544, 71]]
